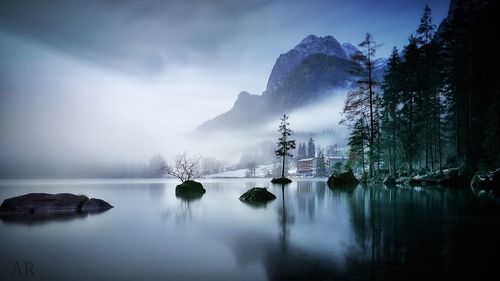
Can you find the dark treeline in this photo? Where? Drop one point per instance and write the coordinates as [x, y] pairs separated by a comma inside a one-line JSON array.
[[438, 105]]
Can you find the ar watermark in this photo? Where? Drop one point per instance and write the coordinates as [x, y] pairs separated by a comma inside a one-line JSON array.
[[23, 268]]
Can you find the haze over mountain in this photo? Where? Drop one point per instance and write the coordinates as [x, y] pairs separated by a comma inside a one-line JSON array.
[[102, 83], [315, 69]]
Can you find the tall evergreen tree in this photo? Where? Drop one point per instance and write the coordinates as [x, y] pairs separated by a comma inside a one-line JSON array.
[[439, 100], [301, 153], [361, 101], [358, 141], [320, 165], [409, 101], [458, 79], [311, 148], [425, 31], [284, 143], [429, 78], [369, 47], [392, 88]]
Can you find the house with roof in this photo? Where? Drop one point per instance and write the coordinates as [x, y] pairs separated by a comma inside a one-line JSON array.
[[307, 166]]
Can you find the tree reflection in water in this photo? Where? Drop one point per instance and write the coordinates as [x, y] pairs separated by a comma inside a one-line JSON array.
[[398, 233]]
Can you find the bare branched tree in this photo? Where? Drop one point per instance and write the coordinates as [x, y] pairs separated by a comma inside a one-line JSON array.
[[184, 168]]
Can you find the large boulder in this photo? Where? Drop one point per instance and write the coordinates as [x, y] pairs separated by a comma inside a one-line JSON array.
[[342, 179], [455, 179], [189, 188], [46, 204], [488, 183], [257, 195], [389, 181], [281, 180]]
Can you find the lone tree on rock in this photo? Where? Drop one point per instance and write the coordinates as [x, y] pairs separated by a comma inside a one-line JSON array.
[[184, 168], [284, 146]]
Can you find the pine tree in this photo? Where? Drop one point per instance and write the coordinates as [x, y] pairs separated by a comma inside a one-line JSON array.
[[439, 100], [428, 76], [360, 103], [284, 144], [311, 148], [358, 141], [320, 165], [425, 30], [459, 81], [409, 101], [301, 153], [392, 88]]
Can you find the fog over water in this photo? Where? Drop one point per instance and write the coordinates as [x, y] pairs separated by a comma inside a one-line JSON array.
[[115, 82]]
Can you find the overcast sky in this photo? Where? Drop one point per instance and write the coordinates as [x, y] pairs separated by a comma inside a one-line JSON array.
[[114, 78]]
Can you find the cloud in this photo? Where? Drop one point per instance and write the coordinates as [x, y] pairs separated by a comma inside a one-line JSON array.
[[137, 36], [115, 80], [147, 37]]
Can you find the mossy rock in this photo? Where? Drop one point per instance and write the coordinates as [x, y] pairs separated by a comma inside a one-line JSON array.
[[389, 181], [342, 180], [281, 180], [189, 188], [257, 195]]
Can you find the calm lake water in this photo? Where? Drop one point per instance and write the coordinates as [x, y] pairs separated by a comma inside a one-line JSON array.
[[309, 232]]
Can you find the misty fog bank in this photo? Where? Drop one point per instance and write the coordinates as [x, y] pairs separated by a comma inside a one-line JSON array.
[[72, 139]]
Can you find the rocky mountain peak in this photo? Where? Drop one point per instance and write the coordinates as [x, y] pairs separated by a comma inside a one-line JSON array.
[[327, 45], [315, 69], [349, 49], [312, 44]]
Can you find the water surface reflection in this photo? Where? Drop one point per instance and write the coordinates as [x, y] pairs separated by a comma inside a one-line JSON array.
[[309, 232]]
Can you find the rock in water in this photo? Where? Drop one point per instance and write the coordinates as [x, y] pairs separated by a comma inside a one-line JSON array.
[[95, 204], [281, 180], [188, 188], [342, 179], [488, 183], [452, 177], [46, 204], [390, 181], [257, 195]]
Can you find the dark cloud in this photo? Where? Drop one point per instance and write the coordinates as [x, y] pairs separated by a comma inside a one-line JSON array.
[[134, 35], [150, 35]]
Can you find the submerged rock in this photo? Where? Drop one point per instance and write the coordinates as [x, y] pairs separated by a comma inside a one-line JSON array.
[[342, 179], [95, 204], [281, 180], [189, 188], [257, 195], [46, 204]]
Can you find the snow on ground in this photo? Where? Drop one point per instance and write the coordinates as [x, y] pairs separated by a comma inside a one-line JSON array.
[[261, 171], [241, 173]]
